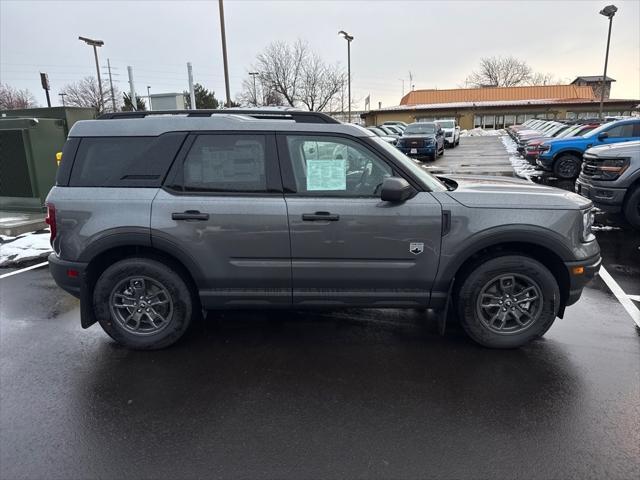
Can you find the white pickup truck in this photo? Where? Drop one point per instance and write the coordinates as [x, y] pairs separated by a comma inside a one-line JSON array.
[[451, 132]]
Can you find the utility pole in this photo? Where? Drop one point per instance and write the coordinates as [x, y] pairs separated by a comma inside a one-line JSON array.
[[402, 80], [349, 39], [94, 44], [224, 53], [608, 11], [132, 89], [113, 98], [255, 92], [192, 92], [62, 95], [149, 96], [411, 85]]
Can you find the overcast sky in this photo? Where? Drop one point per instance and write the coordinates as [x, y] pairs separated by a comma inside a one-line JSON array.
[[439, 42]]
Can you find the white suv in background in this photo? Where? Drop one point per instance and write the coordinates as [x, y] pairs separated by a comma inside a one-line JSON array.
[[451, 132]]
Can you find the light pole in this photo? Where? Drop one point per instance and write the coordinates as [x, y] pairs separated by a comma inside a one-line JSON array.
[[608, 11], [62, 95], [149, 95], [94, 44], [255, 92], [224, 53], [348, 38]]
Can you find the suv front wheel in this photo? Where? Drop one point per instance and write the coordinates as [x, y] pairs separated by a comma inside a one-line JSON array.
[[508, 301], [142, 303]]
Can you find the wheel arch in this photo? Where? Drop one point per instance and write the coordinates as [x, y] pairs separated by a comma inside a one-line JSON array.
[[568, 151]]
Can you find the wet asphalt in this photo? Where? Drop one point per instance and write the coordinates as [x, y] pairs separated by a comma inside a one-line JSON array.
[[348, 394]]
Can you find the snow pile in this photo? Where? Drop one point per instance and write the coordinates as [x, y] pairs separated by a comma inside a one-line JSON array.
[[479, 132], [604, 228], [522, 167], [32, 246]]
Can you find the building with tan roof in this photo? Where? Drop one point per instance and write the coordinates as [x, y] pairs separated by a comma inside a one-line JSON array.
[[499, 107]]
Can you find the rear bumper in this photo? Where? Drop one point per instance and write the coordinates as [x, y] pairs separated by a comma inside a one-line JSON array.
[[68, 275], [604, 197], [577, 283]]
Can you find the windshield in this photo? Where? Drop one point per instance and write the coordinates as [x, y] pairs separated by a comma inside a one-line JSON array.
[[569, 131], [447, 123], [420, 129], [431, 182], [596, 131], [377, 131]]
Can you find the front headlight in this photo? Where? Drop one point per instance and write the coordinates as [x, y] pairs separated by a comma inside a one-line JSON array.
[[588, 217], [544, 147], [612, 168]]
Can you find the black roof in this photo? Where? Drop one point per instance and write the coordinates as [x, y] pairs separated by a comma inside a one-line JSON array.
[[593, 78]]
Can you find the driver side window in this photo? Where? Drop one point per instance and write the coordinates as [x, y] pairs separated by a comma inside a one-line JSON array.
[[335, 167]]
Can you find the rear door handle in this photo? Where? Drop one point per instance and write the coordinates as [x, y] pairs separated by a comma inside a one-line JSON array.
[[320, 216], [190, 215]]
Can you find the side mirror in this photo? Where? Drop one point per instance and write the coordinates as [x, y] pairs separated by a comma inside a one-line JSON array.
[[603, 136], [395, 189]]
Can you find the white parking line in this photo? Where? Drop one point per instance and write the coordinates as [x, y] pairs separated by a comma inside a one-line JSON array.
[[622, 297], [16, 272], [634, 297]]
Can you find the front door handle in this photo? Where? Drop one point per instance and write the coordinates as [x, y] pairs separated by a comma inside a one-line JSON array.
[[190, 215], [320, 216]]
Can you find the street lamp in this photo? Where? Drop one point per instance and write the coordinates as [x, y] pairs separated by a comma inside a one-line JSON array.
[[348, 38], [62, 95], [94, 44], [255, 92], [149, 95], [608, 11]]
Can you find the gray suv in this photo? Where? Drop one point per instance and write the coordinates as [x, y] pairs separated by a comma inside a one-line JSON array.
[[156, 218]]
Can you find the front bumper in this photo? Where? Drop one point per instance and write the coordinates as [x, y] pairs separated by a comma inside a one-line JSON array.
[[604, 197], [544, 162], [68, 275], [422, 152], [590, 267]]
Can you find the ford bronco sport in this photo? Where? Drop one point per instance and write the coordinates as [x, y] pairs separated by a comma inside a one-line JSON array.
[[157, 217]]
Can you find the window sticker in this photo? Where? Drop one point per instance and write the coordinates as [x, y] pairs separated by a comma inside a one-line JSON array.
[[326, 175]]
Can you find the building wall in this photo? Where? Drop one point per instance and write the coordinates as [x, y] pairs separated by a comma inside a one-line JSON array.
[[498, 117]]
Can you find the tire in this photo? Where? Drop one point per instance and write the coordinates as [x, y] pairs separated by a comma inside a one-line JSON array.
[[134, 322], [482, 287], [631, 207], [567, 166]]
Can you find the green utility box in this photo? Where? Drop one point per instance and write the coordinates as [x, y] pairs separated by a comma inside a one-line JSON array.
[[28, 166], [69, 115]]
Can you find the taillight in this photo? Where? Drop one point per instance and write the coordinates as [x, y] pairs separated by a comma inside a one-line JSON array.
[[51, 220]]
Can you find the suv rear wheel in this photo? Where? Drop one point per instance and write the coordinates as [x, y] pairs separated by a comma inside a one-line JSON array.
[[142, 304], [566, 166], [508, 301]]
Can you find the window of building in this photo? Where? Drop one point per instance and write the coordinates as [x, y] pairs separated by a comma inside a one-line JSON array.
[[509, 120], [477, 121], [489, 121], [226, 163]]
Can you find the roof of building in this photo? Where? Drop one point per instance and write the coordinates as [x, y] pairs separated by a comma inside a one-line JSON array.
[[493, 94], [592, 78], [500, 103]]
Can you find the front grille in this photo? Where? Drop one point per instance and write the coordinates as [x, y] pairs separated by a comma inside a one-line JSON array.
[[448, 134], [412, 142], [590, 165]]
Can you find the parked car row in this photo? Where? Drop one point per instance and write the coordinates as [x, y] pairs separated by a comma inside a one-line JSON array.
[[419, 140], [604, 157]]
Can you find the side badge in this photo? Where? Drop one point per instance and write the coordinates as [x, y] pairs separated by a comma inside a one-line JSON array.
[[416, 248]]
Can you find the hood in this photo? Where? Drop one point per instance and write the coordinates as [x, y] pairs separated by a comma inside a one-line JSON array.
[[501, 192], [622, 149]]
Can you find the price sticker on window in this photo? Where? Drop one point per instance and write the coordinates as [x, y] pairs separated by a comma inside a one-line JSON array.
[[326, 175]]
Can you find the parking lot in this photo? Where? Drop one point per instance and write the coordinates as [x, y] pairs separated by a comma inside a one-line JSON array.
[[348, 394]]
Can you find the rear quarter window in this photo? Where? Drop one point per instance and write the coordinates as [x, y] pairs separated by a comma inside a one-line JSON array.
[[124, 161]]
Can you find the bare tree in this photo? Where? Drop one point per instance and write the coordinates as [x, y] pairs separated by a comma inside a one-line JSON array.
[[12, 98], [85, 93], [507, 72], [500, 72], [293, 75]]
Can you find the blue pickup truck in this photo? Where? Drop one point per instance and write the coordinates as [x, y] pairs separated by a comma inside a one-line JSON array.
[[563, 156]]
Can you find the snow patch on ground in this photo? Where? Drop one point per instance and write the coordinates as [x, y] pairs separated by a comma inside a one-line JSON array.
[[522, 168], [479, 132], [16, 250]]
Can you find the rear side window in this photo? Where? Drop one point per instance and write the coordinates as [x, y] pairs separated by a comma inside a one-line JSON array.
[[124, 161], [226, 163]]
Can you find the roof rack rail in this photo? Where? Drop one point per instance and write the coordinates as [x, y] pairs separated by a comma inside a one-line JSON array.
[[263, 114]]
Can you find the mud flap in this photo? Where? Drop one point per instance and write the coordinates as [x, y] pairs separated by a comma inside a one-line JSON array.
[[87, 316], [442, 318]]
